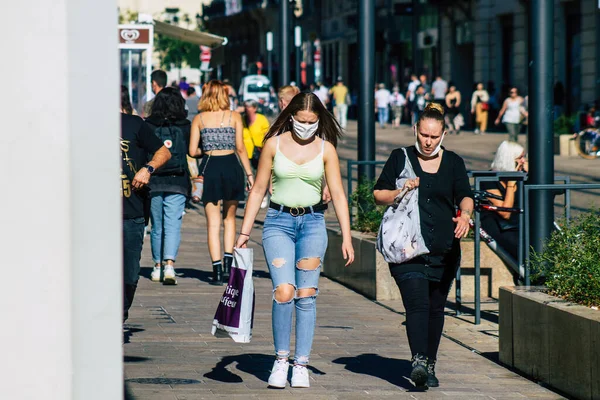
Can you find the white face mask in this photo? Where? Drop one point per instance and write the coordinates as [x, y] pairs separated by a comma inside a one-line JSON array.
[[305, 131], [434, 152]]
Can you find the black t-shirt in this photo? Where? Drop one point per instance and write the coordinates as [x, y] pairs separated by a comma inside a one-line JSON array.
[[439, 193], [513, 221], [137, 140]]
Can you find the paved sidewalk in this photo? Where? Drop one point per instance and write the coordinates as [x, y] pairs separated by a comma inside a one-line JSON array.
[[360, 348]]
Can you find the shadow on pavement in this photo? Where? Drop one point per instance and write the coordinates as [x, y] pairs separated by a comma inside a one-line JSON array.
[[258, 365], [129, 331], [390, 369], [203, 276]]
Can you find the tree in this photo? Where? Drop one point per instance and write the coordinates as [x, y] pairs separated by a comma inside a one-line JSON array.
[[176, 52]]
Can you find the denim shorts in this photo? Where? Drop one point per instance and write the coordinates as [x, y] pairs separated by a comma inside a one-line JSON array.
[[287, 240]]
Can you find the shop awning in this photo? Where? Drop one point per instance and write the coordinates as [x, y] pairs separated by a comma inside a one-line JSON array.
[[195, 37]]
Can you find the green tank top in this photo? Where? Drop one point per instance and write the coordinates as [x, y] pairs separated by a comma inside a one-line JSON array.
[[297, 185]]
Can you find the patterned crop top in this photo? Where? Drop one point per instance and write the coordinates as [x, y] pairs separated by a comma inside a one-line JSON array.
[[221, 138]]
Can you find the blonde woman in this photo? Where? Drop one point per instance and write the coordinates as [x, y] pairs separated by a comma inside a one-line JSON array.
[[501, 225], [220, 131], [425, 281], [285, 94]]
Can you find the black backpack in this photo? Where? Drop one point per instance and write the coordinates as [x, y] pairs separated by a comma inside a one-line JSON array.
[[173, 138]]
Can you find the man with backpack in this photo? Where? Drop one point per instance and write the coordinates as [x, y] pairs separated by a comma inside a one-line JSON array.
[[170, 185]]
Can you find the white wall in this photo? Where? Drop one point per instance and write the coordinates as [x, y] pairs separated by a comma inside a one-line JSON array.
[[60, 220]]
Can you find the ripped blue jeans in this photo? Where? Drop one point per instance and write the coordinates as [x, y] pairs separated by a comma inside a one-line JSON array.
[[294, 249]]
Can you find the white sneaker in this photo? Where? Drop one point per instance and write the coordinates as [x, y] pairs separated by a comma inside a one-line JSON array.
[[155, 275], [300, 377], [279, 373], [476, 131], [169, 278]]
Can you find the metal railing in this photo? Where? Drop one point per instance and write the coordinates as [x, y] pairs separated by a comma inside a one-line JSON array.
[[524, 243], [350, 167], [479, 177]]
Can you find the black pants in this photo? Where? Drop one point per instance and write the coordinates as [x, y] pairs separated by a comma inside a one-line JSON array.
[[424, 301], [507, 239], [133, 239]]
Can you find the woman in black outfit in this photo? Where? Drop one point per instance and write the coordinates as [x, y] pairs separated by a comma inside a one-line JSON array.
[[170, 185], [425, 281]]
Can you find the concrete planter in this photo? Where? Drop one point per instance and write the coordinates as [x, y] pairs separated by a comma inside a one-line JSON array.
[[566, 145], [551, 340], [370, 274]]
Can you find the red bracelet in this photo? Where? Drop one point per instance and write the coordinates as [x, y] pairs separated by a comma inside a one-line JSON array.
[[244, 234]]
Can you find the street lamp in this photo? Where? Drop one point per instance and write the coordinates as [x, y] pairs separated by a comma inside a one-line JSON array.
[[284, 26], [298, 44], [269, 56]]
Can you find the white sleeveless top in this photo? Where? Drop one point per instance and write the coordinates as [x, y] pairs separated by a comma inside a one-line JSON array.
[[513, 112]]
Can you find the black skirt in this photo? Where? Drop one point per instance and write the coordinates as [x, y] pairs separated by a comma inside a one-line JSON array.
[[223, 179]]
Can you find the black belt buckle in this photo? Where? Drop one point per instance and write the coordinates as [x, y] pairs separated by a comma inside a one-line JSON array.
[[297, 211]]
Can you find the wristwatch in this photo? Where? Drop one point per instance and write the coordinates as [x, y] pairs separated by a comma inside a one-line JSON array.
[[150, 168]]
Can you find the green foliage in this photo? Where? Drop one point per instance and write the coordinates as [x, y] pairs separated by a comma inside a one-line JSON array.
[[368, 215], [564, 125], [127, 16], [570, 262], [176, 52]]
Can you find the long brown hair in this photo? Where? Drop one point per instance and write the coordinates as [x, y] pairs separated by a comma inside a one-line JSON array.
[[329, 129], [215, 97]]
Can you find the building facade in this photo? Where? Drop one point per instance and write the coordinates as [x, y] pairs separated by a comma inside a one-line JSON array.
[[488, 42], [246, 27], [464, 41]]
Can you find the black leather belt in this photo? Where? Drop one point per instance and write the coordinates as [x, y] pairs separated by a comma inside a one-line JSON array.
[[298, 211]]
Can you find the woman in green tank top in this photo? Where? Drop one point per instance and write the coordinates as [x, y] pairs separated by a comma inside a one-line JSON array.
[[299, 150]]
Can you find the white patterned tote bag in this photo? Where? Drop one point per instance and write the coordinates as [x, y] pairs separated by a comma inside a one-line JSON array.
[[399, 238]]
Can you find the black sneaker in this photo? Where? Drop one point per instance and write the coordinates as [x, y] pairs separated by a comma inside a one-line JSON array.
[[419, 370], [432, 381]]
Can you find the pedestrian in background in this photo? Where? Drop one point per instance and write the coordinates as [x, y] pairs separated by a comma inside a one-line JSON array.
[[231, 93], [300, 151], [382, 105], [512, 113], [191, 103], [425, 281], [170, 186], [285, 94], [341, 98], [398, 101], [480, 107], [426, 86], [137, 141], [410, 95], [439, 90], [158, 80], [419, 103], [217, 135], [454, 119], [322, 93], [256, 126]]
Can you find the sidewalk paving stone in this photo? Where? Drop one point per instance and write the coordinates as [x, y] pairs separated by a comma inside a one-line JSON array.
[[360, 348]]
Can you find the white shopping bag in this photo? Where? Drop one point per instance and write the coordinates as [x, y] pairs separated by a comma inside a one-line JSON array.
[[235, 313]]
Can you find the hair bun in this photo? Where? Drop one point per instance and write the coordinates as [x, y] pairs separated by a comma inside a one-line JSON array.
[[435, 107]]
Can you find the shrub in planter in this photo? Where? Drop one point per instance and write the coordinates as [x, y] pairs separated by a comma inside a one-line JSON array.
[[368, 215], [564, 125], [570, 261]]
